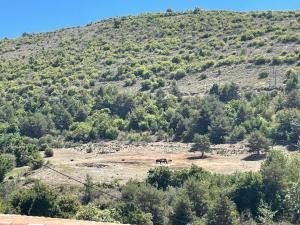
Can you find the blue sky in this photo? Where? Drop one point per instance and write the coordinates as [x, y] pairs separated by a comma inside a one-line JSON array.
[[18, 16]]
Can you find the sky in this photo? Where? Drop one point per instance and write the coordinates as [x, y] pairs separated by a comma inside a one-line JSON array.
[[19, 16]]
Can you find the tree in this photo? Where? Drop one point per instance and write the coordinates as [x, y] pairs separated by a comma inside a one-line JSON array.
[[223, 213], [131, 214], [292, 202], [248, 192], [160, 177], [61, 117], [201, 143], [7, 163], [69, 205], [198, 195], [229, 92], [34, 126], [49, 152], [183, 213], [88, 212], [44, 202], [36, 201], [258, 142], [292, 82], [88, 189], [266, 215], [219, 129], [153, 201], [275, 174], [293, 99]]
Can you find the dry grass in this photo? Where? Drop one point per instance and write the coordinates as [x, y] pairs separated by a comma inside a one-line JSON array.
[[128, 161], [15, 219]]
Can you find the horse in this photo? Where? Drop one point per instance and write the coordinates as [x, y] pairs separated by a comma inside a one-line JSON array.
[[161, 161]]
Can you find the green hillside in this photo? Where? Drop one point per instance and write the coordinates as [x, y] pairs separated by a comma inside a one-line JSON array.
[[206, 77], [165, 76]]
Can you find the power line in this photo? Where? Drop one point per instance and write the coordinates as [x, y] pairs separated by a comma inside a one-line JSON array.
[[103, 192], [80, 182]]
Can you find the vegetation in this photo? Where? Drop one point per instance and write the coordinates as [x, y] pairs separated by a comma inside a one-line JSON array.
[[133, 78], [201, 143], [167, 197]]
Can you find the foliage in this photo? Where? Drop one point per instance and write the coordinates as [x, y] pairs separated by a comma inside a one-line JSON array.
[[7, 163], [201, 143], [257, 142]]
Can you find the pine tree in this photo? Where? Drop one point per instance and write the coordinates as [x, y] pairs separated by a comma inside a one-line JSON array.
[[224, 213]]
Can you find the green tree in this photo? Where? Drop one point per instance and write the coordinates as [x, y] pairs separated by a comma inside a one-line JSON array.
[[61, 117], [68, 205], [34, 126], [160, 177], [198, 195], [248, 192], [131, 214], [88, 189], [257, 142], [36, 201], [292, 202], [7, 163], [183, 213], [266, 215], [275, 174], [223, 213], [229, 92], [88, 212], [201, 143]]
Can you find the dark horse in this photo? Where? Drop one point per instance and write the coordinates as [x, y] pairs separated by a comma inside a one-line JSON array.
[[162, 161]]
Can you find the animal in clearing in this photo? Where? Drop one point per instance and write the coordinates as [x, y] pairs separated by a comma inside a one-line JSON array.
[[161, 161]]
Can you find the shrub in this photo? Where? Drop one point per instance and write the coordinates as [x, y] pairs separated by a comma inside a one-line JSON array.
[[263, 75], [34, 126], [49, 152], [7, 163], [203, 76], [178, 74]]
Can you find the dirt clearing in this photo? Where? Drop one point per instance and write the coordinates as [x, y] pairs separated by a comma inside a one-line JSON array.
[[14, 219], [109, 161]]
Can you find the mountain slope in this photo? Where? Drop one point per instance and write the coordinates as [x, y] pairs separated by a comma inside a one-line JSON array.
[[222, 46], [132, 78]]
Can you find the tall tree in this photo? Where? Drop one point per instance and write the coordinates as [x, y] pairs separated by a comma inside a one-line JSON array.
[[201, 143], [257, 142]]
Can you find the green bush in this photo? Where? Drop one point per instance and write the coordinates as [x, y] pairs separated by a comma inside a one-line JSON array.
[[263, 75], [49, 152], [7, 163]]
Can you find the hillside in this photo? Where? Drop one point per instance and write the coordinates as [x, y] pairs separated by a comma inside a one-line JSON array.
[[151, 77], [159, 119], [154, 49]]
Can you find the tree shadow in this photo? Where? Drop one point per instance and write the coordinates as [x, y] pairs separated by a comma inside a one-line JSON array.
[[293, 148], [255, 157], [197, 157]]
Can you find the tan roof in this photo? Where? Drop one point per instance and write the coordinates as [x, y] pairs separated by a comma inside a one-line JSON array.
[[24, 220]]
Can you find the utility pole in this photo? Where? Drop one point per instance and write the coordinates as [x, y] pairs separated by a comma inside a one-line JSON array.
[[275, 78]]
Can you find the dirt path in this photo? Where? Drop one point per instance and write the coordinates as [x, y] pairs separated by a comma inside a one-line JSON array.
[[122, 162], [23, 220]]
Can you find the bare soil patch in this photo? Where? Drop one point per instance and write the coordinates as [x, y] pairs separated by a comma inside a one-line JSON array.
[[111, 161], [15, 219]]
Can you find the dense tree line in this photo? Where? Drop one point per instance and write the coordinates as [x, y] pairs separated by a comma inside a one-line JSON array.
[[190, 196], [225, 115]]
